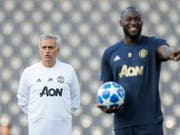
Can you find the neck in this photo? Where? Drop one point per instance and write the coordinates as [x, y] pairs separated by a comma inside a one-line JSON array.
[[130, 41], [48, 63]]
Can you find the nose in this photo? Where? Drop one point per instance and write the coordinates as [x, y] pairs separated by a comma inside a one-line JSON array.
[[133, 21], [47, 49]]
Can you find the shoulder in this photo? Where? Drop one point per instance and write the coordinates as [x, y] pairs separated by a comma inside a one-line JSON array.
[[31, 68], [64, 65], [153, 39], [108, 51]]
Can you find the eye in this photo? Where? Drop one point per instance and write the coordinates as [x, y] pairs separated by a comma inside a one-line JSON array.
[[51, 47], [138, 19], [43, 47], [128, 19]]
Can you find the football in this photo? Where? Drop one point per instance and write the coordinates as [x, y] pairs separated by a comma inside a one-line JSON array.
[[111, 94]]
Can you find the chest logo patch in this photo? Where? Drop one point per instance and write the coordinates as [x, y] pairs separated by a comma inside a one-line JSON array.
[[143, 53], [60, 79]]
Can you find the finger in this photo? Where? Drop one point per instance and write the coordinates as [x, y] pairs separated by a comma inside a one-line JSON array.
[[114, 108], [103, 108], [100, 106], [176, 58], [176, 53]]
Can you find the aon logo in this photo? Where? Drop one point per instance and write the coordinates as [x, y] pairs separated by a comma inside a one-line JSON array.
[[51, 92], [131, 71]]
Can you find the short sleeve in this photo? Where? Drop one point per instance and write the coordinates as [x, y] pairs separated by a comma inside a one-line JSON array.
[[160, 42], [106, 72]]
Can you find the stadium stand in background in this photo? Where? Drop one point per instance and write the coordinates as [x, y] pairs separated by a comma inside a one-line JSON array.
[[87, 27]]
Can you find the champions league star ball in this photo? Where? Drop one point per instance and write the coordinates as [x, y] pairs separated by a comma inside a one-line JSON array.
[[111, 94]]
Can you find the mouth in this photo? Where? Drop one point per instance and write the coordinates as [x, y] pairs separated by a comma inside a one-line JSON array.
[[133, 30], [47, 56]]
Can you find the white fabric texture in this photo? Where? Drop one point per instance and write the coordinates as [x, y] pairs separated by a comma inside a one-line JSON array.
[[48, 96]]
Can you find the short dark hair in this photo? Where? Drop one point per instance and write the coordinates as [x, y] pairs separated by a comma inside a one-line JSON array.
[[130, 8]]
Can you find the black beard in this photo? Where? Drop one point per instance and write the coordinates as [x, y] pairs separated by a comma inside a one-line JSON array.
[[132, 37]]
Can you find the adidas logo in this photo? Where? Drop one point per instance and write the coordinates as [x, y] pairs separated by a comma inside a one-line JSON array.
[[117, 58]]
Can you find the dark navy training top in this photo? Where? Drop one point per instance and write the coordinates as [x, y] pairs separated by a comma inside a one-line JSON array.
[[137, 69]]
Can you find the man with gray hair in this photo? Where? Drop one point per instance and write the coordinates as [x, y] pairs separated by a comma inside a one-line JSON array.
[[49, 91]]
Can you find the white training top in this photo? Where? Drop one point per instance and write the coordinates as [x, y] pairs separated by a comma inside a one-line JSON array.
[[49, 95]]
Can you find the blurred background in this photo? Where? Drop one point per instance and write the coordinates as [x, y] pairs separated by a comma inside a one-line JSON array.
[[87, 27]]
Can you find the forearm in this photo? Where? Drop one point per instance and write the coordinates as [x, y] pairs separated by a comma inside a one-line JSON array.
[[165, 52], [24, 107], [23, 104]]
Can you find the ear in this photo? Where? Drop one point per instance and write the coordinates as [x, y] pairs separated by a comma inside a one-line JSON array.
[[120, 22], [58, 49], [39, 49]]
